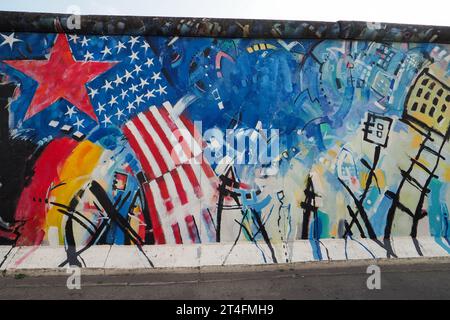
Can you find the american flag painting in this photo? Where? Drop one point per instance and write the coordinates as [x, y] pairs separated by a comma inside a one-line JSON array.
[[179, 179]]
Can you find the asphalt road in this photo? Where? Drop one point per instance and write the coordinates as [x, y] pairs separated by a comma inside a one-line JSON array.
[[410, 279]]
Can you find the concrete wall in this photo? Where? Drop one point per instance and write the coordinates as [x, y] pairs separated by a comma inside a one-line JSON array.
[[221, 150]]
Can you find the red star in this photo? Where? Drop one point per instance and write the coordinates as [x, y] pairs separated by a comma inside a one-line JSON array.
[[61, 76]]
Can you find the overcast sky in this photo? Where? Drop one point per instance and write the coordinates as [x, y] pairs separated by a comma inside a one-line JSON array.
[[432, 12]]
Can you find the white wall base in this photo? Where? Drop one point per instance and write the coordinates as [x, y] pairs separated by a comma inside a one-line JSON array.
[[218, 254]]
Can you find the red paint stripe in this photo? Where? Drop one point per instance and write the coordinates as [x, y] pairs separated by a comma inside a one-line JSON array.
[[206, 167], [193, 131], [151, 145], [138, 151], [156, 126], [192, 229], [175, 130], [158, 232], [8, 235], [177, 233], [179, 186], [31, 206], [209, 223], [193, 180], [165, 193], [142, 227], [197, 136]]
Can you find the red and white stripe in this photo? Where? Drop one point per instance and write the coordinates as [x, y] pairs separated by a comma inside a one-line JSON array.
[[170, 152]]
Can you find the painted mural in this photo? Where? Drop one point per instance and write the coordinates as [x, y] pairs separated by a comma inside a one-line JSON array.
[[134, 140]]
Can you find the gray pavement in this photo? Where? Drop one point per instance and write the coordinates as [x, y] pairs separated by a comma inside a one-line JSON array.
[[400, 279]]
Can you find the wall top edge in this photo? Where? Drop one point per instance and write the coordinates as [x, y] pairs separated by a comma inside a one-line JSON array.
[[222, 28]]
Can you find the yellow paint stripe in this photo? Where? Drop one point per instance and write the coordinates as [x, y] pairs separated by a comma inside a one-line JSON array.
[[75, 172]]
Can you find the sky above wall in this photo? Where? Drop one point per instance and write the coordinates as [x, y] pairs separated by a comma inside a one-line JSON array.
[[431, 12]]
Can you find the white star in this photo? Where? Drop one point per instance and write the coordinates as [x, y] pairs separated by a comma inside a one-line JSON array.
[[133, 56], [73, 37], [88, 56], [101, 108], [118, 80], [137, 69], [93, 92], [143, 83], [156, 77], [145, 46], [113, 101], [128, 75], [120, 46], [119, 113], [139, 100], [107, 85], [130, 107], [70, 111], [133, 41], [150, 94], [79, 123], [106, 120], [134, 88], [149, 62], [106, 51], [9, 40], [124, 94], [85, 41], [104, 37], [162, 90]]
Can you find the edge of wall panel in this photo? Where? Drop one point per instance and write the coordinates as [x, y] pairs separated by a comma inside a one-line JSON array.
[[224, 28]]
